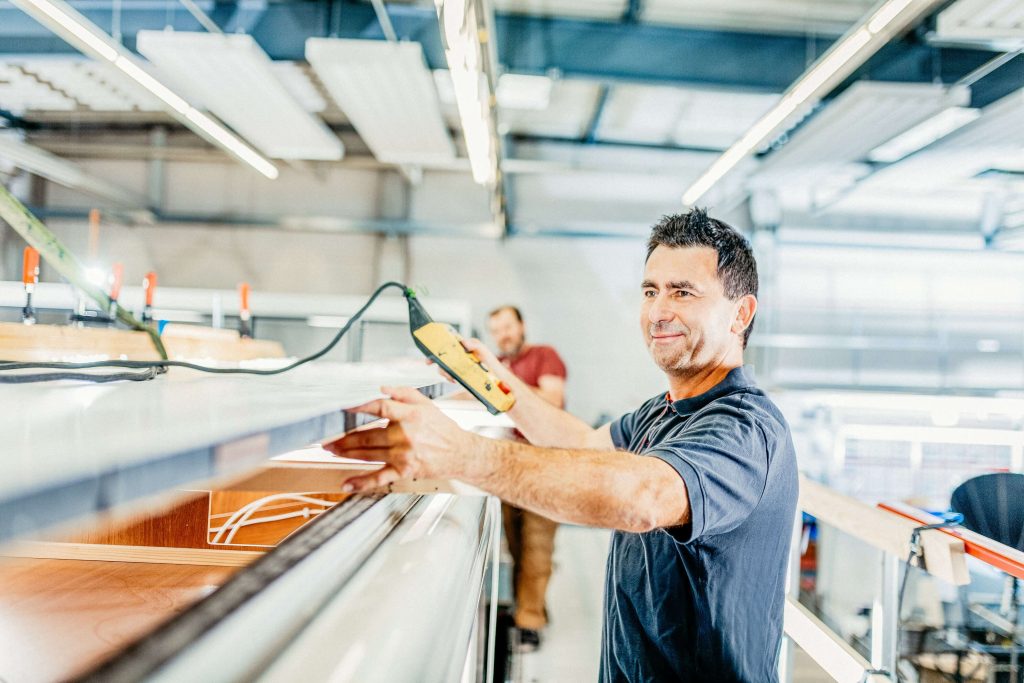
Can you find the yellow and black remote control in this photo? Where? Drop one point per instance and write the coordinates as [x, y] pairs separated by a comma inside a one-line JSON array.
[[443, 345]]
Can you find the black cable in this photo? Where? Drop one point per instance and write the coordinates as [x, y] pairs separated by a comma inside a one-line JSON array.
[[954, 519], [159, 366], [83, 376]]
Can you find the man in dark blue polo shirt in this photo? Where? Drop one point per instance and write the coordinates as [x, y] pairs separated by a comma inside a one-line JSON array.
[[699, 483]]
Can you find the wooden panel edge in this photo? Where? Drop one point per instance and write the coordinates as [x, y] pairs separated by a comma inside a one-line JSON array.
[[45, 550]]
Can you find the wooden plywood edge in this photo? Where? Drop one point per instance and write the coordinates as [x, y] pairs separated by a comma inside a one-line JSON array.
[[944, 555], [63, 342], [127, 553]]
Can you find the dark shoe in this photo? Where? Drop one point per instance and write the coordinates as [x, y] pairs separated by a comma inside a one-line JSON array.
[[529, 640]]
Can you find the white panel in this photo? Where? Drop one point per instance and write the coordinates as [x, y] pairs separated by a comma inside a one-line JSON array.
[[387, 92], [688, 117], [588, 9], [93, 85], [993, 140], [861, 118], [835, 16], [568, 114], [570, 107], [294, 78], [19, 92], [996, 23], [232, 77], [1001, 125]]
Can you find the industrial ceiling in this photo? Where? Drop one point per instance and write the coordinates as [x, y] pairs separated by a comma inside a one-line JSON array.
[[598, 102]]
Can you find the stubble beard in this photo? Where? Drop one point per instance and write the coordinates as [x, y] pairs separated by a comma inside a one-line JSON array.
[[680, 362]]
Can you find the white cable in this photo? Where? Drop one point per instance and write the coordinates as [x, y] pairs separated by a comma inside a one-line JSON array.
[[244, 520], [299, 497], [305, 512], [260, 502], [256, 504]]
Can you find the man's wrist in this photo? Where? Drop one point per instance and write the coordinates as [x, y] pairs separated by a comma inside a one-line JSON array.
[[479, 459]]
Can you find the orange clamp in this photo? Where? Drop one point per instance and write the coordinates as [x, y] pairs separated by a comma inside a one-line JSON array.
[[243, 296], [149, 287], [115, 286], [30, 267]]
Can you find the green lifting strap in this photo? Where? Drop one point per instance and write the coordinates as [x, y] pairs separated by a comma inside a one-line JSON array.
[[57, 255]]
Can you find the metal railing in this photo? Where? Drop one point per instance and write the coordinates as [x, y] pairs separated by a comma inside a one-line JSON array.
[[891, 533]]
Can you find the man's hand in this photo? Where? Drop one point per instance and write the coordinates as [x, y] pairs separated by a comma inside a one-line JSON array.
[[485, 356], [419, 441]]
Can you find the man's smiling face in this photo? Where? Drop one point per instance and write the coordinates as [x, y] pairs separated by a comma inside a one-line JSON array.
[[685, 316]]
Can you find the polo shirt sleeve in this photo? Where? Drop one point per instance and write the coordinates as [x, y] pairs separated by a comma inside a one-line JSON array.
[[551, 363], [723, 460], [622, 430]]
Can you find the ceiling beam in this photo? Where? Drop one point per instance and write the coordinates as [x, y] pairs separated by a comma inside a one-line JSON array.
[[606, 51]]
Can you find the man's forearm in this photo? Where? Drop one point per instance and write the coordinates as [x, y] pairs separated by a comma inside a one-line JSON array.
[[546, 425], [609, 489]]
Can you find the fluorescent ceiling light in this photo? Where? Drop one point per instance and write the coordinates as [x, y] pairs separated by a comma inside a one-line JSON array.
[[388, 93], [521, 91], [924, 134], [81, 33], [231, 76], [467, 63], [841, 60], [63, 172]]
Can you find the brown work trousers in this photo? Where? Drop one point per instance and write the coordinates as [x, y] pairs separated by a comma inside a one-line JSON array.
[[531, 540]]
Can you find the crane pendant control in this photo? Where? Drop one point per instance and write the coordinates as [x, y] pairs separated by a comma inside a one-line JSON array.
[[443, 345]]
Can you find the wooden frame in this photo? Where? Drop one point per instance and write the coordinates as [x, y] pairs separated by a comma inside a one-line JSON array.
[[944, 554]]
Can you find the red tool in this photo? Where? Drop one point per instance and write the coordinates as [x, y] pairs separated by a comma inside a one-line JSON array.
[[244, 315], [148, 289], [30, 277]]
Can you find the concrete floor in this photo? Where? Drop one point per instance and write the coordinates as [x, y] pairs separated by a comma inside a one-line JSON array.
[[571, 648]]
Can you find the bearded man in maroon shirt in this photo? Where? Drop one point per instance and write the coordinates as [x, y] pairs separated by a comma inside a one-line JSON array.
[[531, 538]]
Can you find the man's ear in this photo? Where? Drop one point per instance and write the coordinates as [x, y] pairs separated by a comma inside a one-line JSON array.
[[746, 307]]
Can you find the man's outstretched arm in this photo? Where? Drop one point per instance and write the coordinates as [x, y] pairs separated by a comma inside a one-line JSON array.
[[610, 489]]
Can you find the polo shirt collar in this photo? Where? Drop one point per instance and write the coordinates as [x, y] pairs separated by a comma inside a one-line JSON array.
[[738, 378]]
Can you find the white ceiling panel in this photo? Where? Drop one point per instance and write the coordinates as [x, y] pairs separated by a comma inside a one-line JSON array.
[[1000, 126], [687, 117], [231, 76], [993, 140], [584, 9], [567, 116], [294, 77], [68, 84], [860, 119], [388, 93], [996, 23], [570, 107], [797, 16]]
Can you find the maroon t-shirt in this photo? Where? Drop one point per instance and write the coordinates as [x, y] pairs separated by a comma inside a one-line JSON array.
[[533, 362]]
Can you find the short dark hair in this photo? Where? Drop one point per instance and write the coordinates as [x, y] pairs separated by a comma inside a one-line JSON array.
[[737, 268], [515, 311]]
